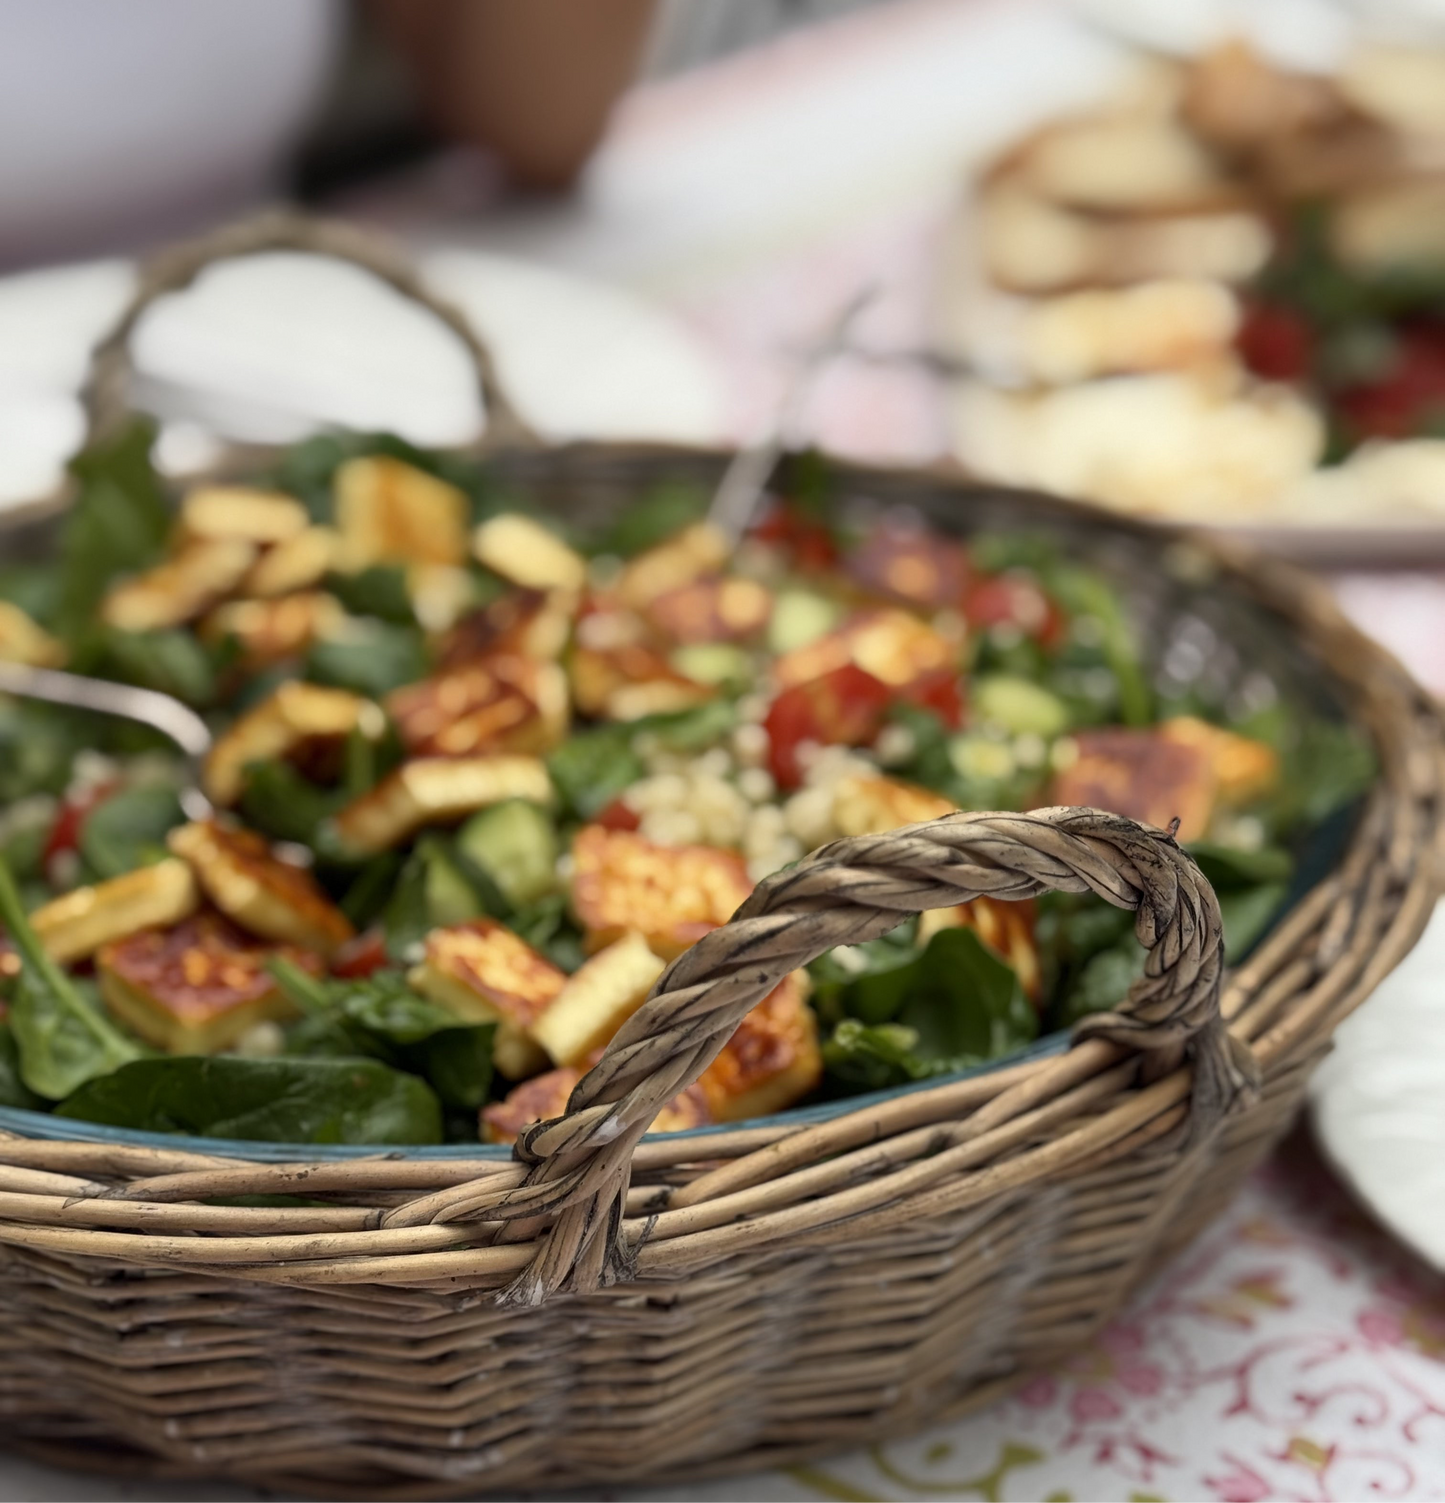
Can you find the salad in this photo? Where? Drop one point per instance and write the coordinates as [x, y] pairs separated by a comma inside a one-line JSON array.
[[478, 775]]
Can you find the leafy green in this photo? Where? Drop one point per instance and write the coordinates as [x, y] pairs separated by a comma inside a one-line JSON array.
[[1246, 914], [434, 891], [37, 743], [590, 769], [666, 509], [382, 1016], [372, 659], [13, 1090], [379, 591], [287, 1100], [1228, 868], [35, 588], [862, 981], [282, 803], [117, 524], [547, 926], [688, 730], [63, 1037], [129, 828], [173, 662], [1104, 981], [24, 835]]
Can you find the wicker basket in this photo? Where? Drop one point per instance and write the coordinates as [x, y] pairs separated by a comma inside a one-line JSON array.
[[609, 1307]]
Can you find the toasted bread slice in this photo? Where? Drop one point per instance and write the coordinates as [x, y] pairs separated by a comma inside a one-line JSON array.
[[503, 703], [262, 894], [1141, 774], [195, 988], [484, 973], [294, 716], [22, 640], [185, 586], [522, 550], [1006, 928], [771, 1061], [670, 895], [597, 1000], [437, 791], [75, 926], [545, 1097], [388, 512]]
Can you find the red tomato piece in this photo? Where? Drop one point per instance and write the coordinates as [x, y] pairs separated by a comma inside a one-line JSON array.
[[1399, 404], [809, 544], [842, 708], [1011, 600], [941, 692], [361, 955], [1275, 343], [617, 816], [65, 832]]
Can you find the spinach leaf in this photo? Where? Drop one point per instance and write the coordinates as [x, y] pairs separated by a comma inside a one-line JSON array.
[[37, 743], [380, 591], [117, 524], [35, 588], [433, 891], [592, 768], [280, 802], [688, 730], [129, 829], [1228, 868], [284, 1100], [173, 662], [865, 1058], [63, 1037], [24, 835], [1247, 913], [666, 509], [547, 926], [372, 659], [1104, 981], [865, 981], [13, 1090]]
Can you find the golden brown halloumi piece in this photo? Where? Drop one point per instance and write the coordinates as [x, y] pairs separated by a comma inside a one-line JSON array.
[[670, 895], [523, 551], [23, 640], [195, 988], [482, 972], [295, 716], [1006, 928], [437, 791], [691, 554], [75, 926], [297, 563], [911, 564], [712, 610], [186, 585], [545, 1097], [771, 1061], [893, 645], [527, 623], [1244, 769], [271, 631], [502, 703], [597, 1000], [388, 512], [264, 895], [238, 512], [874, 805], [1140, 774]]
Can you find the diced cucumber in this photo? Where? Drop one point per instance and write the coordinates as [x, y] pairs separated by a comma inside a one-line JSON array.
[[800, 617], [980, 759], [450, 898], [1019, 707], [713, 663], [515, 844]]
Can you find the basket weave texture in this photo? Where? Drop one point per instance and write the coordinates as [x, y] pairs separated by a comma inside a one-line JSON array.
[[611, 1307]]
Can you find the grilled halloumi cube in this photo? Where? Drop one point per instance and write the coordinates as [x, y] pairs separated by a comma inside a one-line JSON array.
[[911, 564], [235, 511], [545, 1097], [388, 512], [264, 895], [484, 973], [522, 550], [185, 586], [503, 703], [296, 715], [691, 554], [22, 640], [772, 1059], [532, 623], [1143, 775], [893, 645], [670, 895], [437, 791], [75, 926], [630, 681], [195, 988], [1244, 769], [712, 610], [872, 806], [271, 631], [1006, 928], [296, 563], [597, 1000]]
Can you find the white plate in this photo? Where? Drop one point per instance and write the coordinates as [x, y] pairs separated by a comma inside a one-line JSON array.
[[1378, 1100], [270, 348]]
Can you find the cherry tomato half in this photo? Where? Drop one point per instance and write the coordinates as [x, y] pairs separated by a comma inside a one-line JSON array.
[[842, 708]]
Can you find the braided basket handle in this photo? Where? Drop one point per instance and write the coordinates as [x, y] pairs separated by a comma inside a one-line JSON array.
[[846, 893], [106, 393]]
